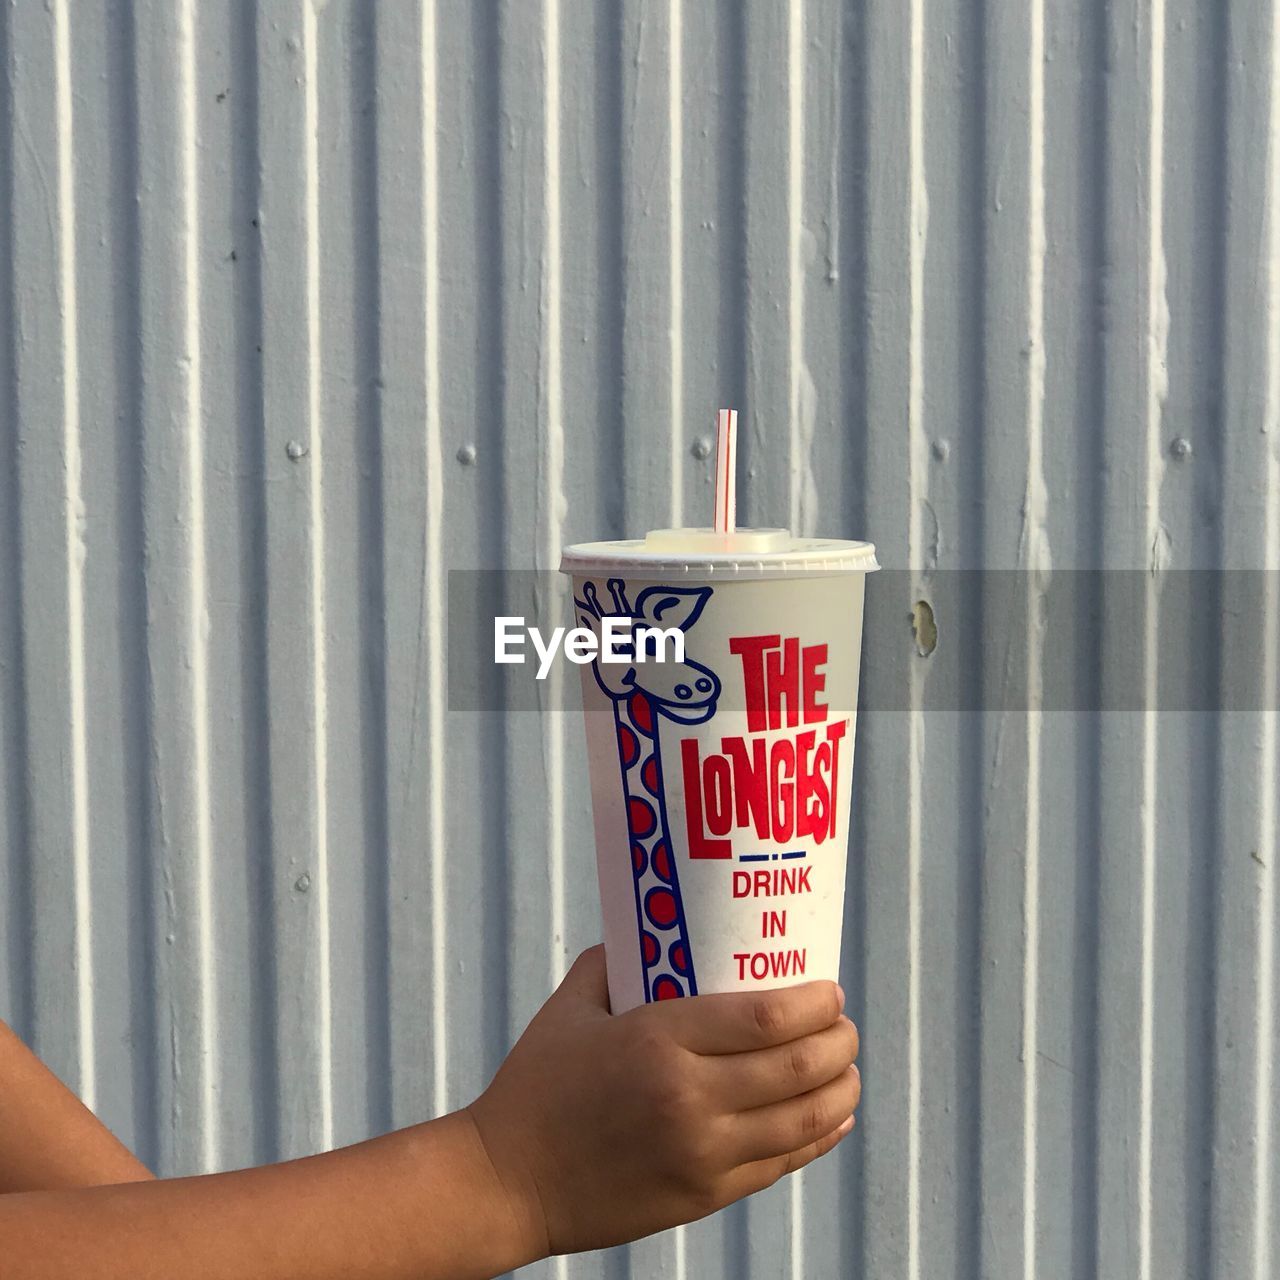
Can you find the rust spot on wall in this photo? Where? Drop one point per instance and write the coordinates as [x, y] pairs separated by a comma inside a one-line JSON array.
[[924, 628]]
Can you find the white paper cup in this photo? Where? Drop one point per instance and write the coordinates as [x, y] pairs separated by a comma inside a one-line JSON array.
[[720, 785]]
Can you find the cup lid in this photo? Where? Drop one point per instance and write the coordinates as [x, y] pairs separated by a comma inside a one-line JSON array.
[[710, 554]]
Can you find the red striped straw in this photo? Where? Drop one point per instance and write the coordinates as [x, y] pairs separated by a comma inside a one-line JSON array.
[[726, 520]]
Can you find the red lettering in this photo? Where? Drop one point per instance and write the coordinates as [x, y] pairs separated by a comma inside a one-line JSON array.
[[822, 780], [782, 683], [770, 964], [781, 790], [719, 787], [835, 732], [804, 783], [750, 783], [814, 681], [782, 766], [751, 650], [700, 846], [771, 884]]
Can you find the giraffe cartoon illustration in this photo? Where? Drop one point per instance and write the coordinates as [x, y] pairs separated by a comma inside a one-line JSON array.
[[642, 693]]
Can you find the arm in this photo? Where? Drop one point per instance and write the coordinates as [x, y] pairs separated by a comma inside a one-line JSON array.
[[359, 1211], [420, 1203], [48, 1138], [597, 1129]]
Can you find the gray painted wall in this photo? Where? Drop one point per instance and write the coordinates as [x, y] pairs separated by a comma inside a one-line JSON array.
[[304, 304]]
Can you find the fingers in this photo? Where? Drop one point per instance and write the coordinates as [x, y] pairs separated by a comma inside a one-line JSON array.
[[783, 1127], [740, 1021], [587, 982], [747, 1080], [759, 1174]]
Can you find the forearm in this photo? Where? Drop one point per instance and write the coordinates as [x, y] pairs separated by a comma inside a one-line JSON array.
[[417, 1204], [48, 1139]]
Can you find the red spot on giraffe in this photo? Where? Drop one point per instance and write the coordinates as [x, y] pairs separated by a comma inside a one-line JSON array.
[[679, 958], [637, 858], [661, 860], [649, 774], [628, 746], [667, 988], [660, 907], [649, 948], [643, 822], [641, 710]]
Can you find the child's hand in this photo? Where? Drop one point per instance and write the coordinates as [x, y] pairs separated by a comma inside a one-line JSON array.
[[604, 1129]]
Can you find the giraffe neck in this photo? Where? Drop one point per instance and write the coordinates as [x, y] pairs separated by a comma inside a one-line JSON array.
[[666, 960]]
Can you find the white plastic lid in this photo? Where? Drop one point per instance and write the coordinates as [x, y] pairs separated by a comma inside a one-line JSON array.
[[706, 554]]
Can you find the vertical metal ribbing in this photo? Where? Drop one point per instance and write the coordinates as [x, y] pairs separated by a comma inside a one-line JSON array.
[[1265, 1211], [1156, 388], [75, 551], [197, 601], [435, 574], [1037, 564], [675, 251], [551, 499], [316, 522], [15, 867], [801, 515], [49, 529], [918, 494], [290, 238]]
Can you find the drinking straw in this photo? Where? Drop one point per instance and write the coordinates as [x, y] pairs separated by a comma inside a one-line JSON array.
[[726, 516]]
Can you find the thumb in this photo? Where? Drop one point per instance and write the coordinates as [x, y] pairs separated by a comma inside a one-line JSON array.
[[587, 982]]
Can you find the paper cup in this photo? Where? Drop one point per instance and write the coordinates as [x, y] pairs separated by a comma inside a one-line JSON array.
[[720, 783]]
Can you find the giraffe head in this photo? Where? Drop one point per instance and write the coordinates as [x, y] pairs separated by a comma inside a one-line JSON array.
[[684, 691]]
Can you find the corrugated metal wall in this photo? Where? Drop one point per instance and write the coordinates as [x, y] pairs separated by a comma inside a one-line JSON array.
[[303, 304]]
